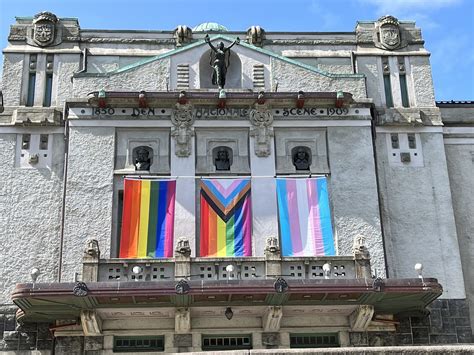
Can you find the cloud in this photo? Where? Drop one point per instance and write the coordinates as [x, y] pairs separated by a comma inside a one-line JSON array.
[[401, 7]]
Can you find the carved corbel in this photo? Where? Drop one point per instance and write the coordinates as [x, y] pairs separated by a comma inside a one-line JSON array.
[[272, 318], [91, 323], [361, 318], [182, 119], [90, 261], [256, 36], [362, 258], [261, 118]]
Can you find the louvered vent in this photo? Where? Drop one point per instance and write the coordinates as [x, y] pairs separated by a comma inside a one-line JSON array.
[[259, 77], [183, 76]]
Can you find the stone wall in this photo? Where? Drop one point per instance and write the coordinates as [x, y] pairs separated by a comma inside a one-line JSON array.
[[30, 215], [153, 76], [12, 78], [448, 323], [89, 192], [418, 215], [285, 73], [354, 192], [461, 173]]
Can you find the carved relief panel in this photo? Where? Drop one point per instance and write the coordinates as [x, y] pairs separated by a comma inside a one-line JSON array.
[[222, 151], [301, 151], [143, 150]]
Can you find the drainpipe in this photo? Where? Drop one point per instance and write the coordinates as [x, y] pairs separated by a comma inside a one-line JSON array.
[[63, 207], [373, 113]]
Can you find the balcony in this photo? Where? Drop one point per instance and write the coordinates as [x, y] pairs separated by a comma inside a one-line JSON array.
[[183, 266]]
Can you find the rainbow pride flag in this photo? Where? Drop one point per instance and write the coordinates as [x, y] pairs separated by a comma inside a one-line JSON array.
[[147, 219], [305, 217], [225, 218]]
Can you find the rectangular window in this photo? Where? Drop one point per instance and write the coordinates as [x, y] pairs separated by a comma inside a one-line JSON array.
[[314, 340], [387, 82], [30, 100], [404, 90], [48, 90], [226, 342], [403, 81], [139, 344]]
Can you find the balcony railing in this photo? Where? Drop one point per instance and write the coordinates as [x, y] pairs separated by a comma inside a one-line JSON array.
[[183, 266]]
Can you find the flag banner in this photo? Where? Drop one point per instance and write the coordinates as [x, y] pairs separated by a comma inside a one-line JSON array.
[[147, 219], [304, 217], [225, 218]]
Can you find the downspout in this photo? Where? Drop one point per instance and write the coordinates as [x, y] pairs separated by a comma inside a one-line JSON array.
[[373, 113], [63, 207]]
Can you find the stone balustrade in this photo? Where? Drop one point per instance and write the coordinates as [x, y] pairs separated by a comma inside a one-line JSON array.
[[183, 266]]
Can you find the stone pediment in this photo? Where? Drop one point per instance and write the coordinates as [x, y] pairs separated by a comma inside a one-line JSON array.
[[188, 68]]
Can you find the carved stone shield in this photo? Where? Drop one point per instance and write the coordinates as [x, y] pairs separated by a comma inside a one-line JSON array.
[[390, 36], [44, 28]]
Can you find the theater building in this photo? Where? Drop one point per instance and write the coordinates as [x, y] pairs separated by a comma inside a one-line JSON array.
[[205, 189]]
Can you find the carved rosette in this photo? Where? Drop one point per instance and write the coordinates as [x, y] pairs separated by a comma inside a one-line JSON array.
[[183, 119], [262, 118], [44, 28]]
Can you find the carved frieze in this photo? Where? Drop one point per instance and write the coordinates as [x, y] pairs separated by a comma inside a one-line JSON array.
[[261, 118], [183, 119]]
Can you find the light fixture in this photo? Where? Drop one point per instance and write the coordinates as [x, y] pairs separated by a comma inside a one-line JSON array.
[[261, 98], [327, 270], [419, 270], [182, 99], [35, 272], [228, 313], [142, 99], [300, 99], [136, 270]]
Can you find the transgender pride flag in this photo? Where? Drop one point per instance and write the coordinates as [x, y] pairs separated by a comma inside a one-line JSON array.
[[305, 217]]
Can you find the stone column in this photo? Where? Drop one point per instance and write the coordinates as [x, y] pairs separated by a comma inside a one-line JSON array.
[[361, 259]]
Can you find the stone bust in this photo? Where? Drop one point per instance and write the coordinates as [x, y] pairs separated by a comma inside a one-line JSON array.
[[142, 160], [222, 161], [301, 158]]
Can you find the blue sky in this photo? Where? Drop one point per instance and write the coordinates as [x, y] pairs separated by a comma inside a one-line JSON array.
[[447, 25]]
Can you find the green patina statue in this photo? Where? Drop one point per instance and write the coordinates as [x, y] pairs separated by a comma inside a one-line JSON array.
[[220, 61]]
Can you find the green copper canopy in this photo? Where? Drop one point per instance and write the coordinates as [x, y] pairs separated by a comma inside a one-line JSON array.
[[210, 26]]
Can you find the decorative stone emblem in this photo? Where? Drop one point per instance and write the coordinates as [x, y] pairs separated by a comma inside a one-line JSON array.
[[261, 118], [272, 245], [182, 119], [378, 284], [389, 32], [92, 248], [182, 247], [280, 285], [44, 28], [182, 34], [182, 287], [80, 289], [256, 35]]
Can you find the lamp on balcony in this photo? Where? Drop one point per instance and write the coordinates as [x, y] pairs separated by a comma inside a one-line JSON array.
[[419, 270], [327, 270], [35, 272]]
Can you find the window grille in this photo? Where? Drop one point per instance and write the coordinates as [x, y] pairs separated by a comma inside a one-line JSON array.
[[314, 340], [226, 342], [139, 344]]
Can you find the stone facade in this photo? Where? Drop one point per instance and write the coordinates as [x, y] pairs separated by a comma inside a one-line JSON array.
[[399, 168]]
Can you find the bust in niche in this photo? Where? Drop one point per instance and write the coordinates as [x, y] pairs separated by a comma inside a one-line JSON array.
[[222, 159], [142, 159], [301, 158]]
